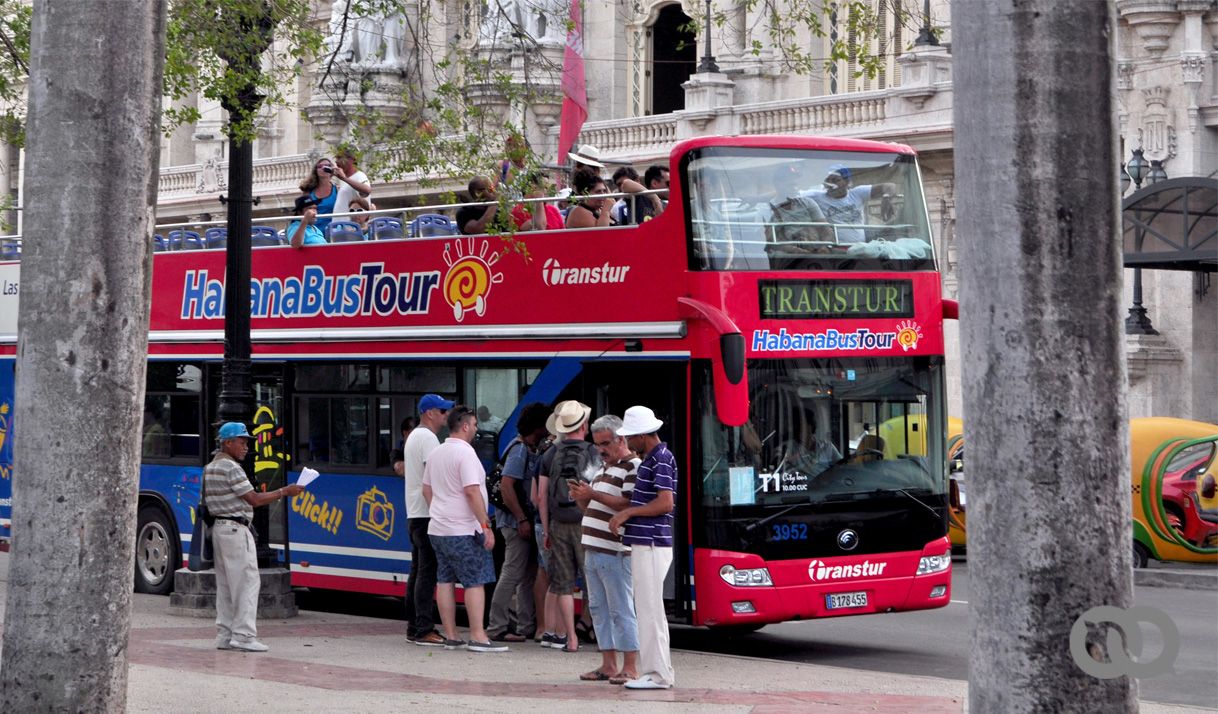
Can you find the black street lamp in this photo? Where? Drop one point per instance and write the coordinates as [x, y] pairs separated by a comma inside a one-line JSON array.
[[926, 36], [1138, 321], [708, 65]]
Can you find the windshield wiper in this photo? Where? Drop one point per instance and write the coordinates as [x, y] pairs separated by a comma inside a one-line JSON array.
[[758, 524], [907, 494]]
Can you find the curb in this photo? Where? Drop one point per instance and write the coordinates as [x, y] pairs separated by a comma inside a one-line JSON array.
[[1185, 579]]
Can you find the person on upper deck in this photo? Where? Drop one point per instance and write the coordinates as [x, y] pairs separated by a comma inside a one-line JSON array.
[[305, 231], [319, 186], [475, 220], [593, 208], [632, 209], [524, 215], [350, 181], [358, 207], [844, 203]]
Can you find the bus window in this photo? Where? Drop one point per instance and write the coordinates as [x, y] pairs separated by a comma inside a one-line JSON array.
[[494, 393], [802, 209], [416, 379], [333, 431], [344, 377], [172, 425]]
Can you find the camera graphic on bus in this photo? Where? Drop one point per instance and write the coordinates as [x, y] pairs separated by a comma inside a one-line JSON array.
[[374, 513]]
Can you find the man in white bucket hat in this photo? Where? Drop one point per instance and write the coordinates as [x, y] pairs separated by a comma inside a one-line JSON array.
[[647, 529]]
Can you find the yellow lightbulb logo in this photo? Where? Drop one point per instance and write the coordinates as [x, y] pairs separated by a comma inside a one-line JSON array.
[[908, 334], [470, 277]]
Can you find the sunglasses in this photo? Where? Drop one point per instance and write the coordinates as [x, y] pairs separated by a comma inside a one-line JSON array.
[[354, 210]]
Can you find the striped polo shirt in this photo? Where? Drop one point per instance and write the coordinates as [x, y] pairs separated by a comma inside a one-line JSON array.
[[224, 483], [616, 480], [658, 472]]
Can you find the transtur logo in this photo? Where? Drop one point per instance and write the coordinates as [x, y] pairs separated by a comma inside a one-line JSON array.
[[819, 571], [552, 273]]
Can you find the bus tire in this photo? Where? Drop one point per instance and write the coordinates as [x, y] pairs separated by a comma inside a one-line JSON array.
[[1141, 555], [156, 551]]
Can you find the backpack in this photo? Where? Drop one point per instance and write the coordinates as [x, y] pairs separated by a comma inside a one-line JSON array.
[[571, 462], [494, 482]]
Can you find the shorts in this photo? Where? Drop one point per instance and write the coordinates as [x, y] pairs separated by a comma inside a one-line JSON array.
[[462, 559], [566, 554]]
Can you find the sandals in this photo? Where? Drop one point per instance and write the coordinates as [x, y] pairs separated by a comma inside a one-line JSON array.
[[585, 633], [595, 676], [621, 678]]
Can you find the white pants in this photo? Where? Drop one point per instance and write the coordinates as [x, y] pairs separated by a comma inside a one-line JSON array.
[[237, 581], [649, 566]]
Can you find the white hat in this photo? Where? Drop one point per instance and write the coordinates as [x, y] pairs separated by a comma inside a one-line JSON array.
[[588, 155], [569, 415], [639, 420], [550, 425]]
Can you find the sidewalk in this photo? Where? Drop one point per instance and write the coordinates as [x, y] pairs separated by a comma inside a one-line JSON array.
[[331, 662]]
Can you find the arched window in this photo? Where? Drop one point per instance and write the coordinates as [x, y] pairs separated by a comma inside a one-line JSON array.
[[674, 54]]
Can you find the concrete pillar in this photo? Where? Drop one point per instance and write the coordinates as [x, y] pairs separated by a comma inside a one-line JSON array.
[[1044, 381]]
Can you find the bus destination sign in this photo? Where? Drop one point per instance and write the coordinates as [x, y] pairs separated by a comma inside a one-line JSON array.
[[822, 299]]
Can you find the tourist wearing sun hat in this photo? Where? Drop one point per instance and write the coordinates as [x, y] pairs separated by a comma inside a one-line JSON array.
[[647, 528], [574, 459], [587, 155]]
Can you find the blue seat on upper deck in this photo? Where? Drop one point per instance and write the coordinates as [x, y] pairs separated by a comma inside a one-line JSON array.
[[431, 224], [344, 232], [159, 243], [10, 250], [216, 237], [261, 236], [185, 240], [385, 228]]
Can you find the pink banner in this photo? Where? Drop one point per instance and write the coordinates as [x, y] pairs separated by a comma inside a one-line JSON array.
[[574, 86]]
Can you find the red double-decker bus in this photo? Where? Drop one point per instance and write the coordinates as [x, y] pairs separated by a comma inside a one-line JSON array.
[[783, 316]]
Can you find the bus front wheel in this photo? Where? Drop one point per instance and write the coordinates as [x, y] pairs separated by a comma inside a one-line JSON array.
[[156, 552]]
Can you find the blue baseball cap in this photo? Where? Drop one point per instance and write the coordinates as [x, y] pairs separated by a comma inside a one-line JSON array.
[[434, 401], [841, 170], [233, 430]]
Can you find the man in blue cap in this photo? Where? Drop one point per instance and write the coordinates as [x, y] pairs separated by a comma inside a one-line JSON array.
[[231, 499], [844, 203], [421, 585]]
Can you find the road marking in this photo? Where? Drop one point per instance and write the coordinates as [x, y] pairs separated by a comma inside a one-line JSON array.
[[960, 602]]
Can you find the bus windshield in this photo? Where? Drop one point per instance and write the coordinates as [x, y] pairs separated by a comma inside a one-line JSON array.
[[822, 431], [788, 209]]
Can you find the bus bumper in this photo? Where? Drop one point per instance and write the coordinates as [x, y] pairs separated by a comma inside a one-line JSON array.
[[818, 587]]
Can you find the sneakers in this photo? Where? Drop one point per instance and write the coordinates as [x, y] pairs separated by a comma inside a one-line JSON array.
[[454, 644], [248, 646], [487, 647], [556, 642], [224, 642], [431, 639], [547, 639]]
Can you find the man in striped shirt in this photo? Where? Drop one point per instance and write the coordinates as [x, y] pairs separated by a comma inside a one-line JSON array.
[[231, 499], [607, 577], [648, 532]]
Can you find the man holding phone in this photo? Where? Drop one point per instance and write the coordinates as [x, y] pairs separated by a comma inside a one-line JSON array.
[[454, 486]]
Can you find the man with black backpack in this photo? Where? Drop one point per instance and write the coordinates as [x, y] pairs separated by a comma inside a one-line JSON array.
[[514, 519], [575, 460]]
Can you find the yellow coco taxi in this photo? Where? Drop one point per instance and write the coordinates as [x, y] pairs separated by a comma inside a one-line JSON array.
[[1175, 510], [1175, 513]]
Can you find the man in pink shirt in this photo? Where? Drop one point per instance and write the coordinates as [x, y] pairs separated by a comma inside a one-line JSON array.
[[454, 485]]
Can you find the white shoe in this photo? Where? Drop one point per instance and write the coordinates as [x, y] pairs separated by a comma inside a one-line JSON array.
[[224, 642], [248, 646], [646, 682]]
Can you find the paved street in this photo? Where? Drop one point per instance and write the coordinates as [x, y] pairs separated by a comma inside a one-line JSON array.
[[333, 661], [935, 642]]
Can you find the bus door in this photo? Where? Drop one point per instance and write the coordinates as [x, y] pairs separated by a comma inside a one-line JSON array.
[[272, 457], [611, 387]]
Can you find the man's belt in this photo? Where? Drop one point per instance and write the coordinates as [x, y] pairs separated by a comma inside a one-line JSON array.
[[235, 519]]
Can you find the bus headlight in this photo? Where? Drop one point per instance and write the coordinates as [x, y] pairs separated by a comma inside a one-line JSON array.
[[934, 564], [750, 577]]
